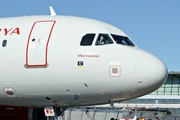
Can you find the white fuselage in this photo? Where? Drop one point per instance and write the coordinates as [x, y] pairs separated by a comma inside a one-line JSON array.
[[40, 59]]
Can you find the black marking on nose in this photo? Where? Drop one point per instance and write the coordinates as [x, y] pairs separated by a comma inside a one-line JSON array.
[[48, 98]]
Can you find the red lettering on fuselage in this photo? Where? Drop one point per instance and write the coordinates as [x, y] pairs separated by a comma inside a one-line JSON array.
[[10, 31], [6, 31], [15, 31], [89, 55]]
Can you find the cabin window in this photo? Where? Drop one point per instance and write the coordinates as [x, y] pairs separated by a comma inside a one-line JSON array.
[[122, 40], [4, 43], [87, 40], [103, 39]]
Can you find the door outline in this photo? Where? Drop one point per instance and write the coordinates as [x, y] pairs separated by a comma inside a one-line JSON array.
[[45, 64]]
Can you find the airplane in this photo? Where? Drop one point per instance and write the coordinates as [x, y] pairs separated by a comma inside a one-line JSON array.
[[50, 63]]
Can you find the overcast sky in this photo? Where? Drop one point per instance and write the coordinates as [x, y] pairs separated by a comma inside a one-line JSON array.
[[152, 24]]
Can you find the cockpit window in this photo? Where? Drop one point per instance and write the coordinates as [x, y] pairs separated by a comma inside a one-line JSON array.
[[103, 39], [122, 40], [87, 40]]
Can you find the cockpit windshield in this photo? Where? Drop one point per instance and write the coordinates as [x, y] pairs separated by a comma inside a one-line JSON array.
[[103, 39], [122, 40]]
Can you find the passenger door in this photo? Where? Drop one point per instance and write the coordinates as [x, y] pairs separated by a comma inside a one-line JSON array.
[[37, 44]]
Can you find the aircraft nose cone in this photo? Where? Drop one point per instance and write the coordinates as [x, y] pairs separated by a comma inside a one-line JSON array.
[[151, 73]]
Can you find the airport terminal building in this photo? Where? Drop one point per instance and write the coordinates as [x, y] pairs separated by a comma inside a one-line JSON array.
[[167, 97]]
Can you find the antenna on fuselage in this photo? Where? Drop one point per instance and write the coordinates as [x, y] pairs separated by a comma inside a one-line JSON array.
[[53, 13]]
